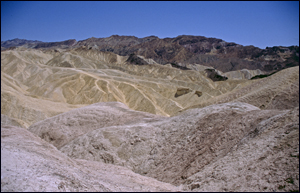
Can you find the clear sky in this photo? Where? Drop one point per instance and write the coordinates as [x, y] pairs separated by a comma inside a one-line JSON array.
[[258, 23]]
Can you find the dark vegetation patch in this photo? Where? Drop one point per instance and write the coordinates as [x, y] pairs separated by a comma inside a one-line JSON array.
[[262, 75], [290, 180], [294, 155]]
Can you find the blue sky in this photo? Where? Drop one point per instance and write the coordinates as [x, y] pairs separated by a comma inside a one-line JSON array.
[[258, 23]]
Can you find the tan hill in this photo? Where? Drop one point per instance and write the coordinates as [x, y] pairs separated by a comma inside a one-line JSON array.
[[43, 84], [279, 91], [36, 85]]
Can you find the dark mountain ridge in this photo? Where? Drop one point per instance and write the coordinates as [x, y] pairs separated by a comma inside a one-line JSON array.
[[182, 50], [19, 42]]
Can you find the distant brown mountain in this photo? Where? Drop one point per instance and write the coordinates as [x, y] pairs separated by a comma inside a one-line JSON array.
[[183, 50]]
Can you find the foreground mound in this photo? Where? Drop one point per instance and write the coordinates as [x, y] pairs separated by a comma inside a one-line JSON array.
[[31, 164], [178, 149], [266, 159], [61, 129]]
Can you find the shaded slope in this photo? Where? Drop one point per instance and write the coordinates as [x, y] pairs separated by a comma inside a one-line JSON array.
[[265, 160]]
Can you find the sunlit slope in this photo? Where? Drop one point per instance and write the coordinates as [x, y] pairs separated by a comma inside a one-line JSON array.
[[82, 77], [25, 108], [279, 91]]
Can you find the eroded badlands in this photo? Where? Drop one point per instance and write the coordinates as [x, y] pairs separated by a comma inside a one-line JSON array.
[[86, 120]]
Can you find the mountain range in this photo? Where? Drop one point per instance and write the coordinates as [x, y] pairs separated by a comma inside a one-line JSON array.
[[182, 51]]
